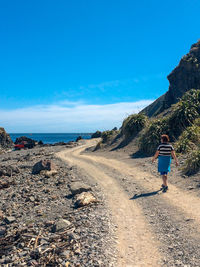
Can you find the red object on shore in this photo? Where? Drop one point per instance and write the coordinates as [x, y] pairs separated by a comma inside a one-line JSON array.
[[24, 144], [19, 146]]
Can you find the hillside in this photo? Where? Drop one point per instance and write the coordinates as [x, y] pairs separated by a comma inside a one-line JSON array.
[[183, 78], [141, 135]]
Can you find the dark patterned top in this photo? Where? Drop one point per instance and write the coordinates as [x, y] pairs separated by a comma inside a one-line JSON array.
[[165, 149]]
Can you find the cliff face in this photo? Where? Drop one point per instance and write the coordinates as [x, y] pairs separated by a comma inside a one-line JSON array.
[[184, 77], [5, 140]]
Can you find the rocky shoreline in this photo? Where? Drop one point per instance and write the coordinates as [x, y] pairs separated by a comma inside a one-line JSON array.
[[43, 222]]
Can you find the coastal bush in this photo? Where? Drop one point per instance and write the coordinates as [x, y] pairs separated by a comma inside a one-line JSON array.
[[188, 140], [133, 124], [151, 137], [184, 113], [97, 134], [192, 164], [197, 122], [107, 136]]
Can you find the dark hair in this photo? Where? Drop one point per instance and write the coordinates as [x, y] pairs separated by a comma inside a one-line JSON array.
[[165, 138]]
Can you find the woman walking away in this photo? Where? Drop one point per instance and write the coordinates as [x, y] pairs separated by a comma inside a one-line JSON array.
[[164, 153]]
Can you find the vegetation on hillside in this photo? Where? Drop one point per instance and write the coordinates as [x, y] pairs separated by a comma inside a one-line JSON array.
[[133, 124], [150, 139], [183, 115], [182, 124], [107, 138], [97, 134], [192, 164], [189, 139]]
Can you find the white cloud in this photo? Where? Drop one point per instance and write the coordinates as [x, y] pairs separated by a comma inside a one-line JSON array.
[[68, 117]]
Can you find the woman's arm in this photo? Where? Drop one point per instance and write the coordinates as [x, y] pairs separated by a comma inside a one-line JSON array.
[[155, 156], [174, 157]]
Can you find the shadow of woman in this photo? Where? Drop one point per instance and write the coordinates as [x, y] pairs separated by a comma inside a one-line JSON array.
[[146, 194]]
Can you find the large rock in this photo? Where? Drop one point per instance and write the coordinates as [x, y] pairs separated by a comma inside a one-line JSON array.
[[79, 187], [5, 140], [85, 199], [184, 77], [79, 138], [28, 141], [44, 165]]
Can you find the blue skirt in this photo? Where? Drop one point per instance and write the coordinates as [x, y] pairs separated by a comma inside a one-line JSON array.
[[164, 163]]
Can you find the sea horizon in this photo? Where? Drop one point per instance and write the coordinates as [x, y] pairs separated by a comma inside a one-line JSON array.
[[51, 138]]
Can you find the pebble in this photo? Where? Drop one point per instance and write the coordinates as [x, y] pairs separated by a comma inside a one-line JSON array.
[[10, 219]]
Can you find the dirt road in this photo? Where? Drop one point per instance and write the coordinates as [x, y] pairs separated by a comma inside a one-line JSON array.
[[153, 229]]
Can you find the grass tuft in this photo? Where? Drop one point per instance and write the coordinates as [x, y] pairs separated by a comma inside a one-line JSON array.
[[188, 140], [192, 164], [133, 124]]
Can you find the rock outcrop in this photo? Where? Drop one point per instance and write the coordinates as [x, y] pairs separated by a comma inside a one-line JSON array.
[[5, 140], [29, 141], [184, 77]]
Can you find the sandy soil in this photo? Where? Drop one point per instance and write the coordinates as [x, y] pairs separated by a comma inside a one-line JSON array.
[[153, 228]]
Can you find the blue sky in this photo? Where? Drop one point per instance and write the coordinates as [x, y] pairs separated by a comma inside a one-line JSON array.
[[66, 65]]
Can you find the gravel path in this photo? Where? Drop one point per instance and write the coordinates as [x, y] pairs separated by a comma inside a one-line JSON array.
[[132, 223], [172, 218], [135, 242]]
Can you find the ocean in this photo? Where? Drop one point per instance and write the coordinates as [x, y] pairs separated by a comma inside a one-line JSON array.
[[51, 138]]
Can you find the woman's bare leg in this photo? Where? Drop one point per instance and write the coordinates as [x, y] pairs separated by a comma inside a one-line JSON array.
[[164, 178]]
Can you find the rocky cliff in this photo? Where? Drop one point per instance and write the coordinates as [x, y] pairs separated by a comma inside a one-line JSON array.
[[5, 140], [184, 77]]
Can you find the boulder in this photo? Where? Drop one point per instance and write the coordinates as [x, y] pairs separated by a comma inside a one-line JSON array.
[[85, 199], [78, 138], [44, 165], [30, 143], [5, 140], [79, 187], [40, 143]]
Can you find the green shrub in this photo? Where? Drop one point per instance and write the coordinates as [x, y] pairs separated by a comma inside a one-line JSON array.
[[133, 124], [184, 113], [188, 139], [197, 122], [151, 137], [107, 136], [192, 164], [97, 134]]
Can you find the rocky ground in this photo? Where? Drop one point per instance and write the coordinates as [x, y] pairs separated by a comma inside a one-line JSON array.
[[57, 212], [44, 220]]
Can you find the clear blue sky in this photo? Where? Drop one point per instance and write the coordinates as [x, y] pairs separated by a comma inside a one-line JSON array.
[[68, 56]]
